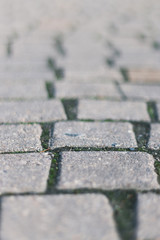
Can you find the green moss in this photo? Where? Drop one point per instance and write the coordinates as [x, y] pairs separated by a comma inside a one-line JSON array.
[[152, 111], [52, 178], [157, 167], [50, 89], [124, 207], [156, 45], [70, 106], [46, 128], [124, 73]]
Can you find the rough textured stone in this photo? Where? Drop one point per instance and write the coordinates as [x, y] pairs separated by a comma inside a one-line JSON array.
[[31, 111], [101, 110], [145, 92], [15, 138], [93, 134], [23, 89], [144, 75], [154, 140], [148, 216], [77, 90], [69, 217], [107, 170], [24, 172]]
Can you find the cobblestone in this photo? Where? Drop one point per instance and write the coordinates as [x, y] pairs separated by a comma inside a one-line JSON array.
[[154, 141], [144, 76], [23, 89], [148, 216], [149, 93], [20, 138], [77, 90], [102, 110], [107, 170], [31, 111], [93, 134], [59, 217], [22, 173]]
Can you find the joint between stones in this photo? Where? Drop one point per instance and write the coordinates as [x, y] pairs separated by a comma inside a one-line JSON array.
[[50, 89], [70, 107], [152, 111], [45, 136], [142, 134]]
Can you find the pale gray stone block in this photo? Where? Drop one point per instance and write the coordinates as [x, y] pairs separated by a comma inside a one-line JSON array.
[[68, 217], [31, 111], [20, 173], [101, 110], [148, 216], [20, 138], [93, 134], [107, 170]]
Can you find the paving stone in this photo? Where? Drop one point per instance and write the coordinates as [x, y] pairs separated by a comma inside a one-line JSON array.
[[144, 75], [31, 111], [108, 75], [77, 90], [141, 91], [107, 170], [154, 140], [23, 89], [93, 134], [101, 110], [15, 138], [68, 217], [148, 216], [24, 172]]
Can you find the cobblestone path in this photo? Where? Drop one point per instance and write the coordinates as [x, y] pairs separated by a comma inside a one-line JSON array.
[[79, 120]]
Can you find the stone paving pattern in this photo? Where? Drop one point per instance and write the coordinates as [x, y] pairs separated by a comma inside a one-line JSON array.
[[79, 120]]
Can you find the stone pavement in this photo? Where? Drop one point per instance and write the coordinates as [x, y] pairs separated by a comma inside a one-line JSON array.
[[79, 120]]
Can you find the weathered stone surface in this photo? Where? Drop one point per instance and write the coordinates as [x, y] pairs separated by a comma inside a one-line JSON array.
[[145, 92], [92, 134], [31, 111], [107, 170], [76, 90], [148, 216], [23, 89], [154, 140], [144, 75], [15, 138], [21, 173], [101, 110], [69, 217]]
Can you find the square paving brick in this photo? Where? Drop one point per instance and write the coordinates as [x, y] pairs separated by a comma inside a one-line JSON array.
[[107, 170], [145, 92], [93, 134], [26, 172], [154, 140], [77, 90], [68, 217], [31, 111], [101, 110], [148, 216], [20, 138], [144, 75], [23, 89]]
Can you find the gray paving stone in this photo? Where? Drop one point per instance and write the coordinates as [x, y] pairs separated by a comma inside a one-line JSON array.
[[24, 172], [145, 92], [23, 89], [93, 134], [77, 90], [68, 217], [31, 111], [15, 138], [106, 76], [148, 216], [154, 140], [107, 170], [101, 110]]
